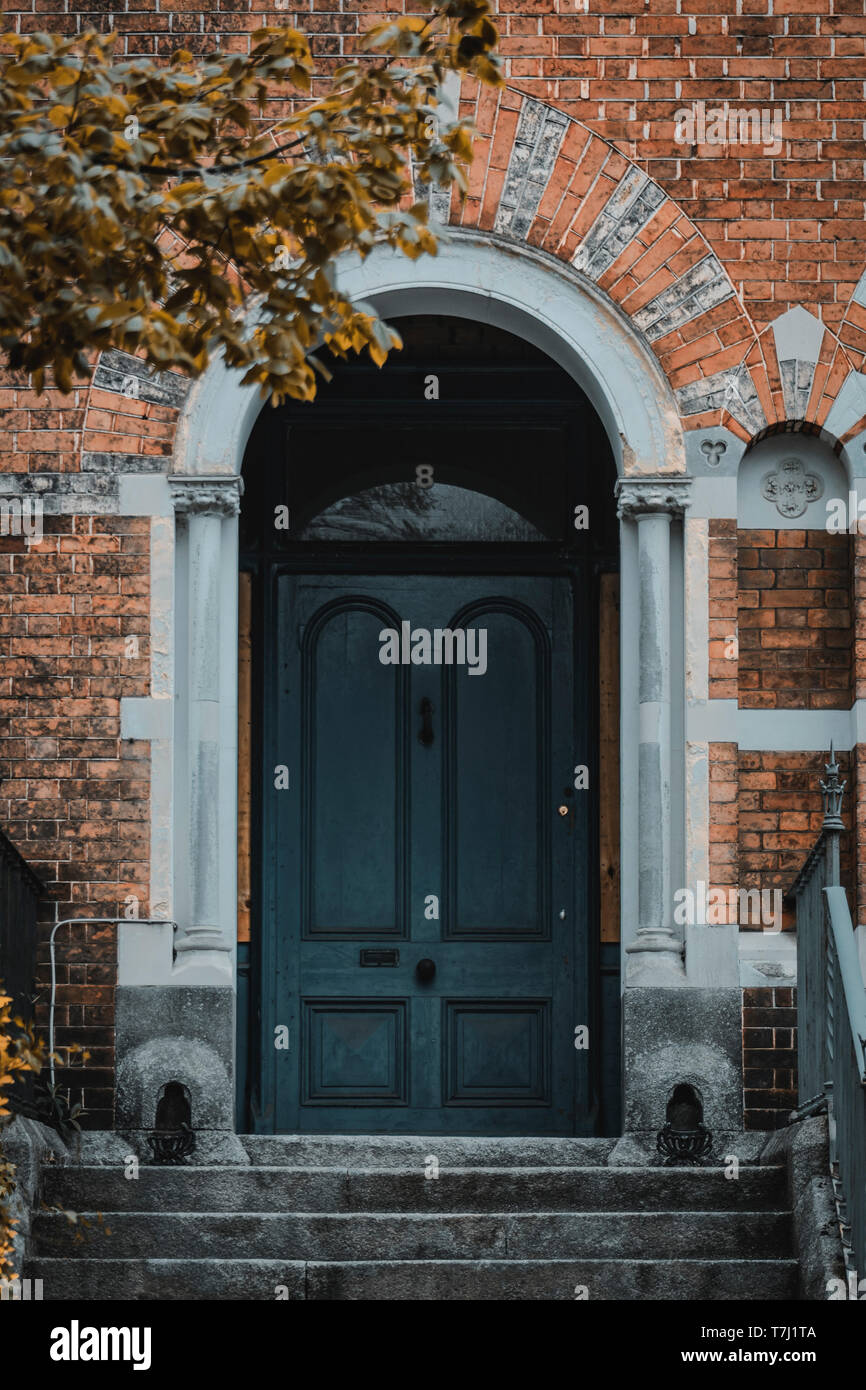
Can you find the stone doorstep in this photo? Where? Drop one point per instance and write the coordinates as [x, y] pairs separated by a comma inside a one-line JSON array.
[[217, 1148]]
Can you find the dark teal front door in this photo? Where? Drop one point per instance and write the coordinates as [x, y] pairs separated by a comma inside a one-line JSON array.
[[428, 905]]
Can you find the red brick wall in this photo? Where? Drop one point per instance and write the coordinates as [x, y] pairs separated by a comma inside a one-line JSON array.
[[723, 787], [74, 798], [788, 229], [779, 813], [722, 559], [769, 1057], [787, 597], [795, 620]]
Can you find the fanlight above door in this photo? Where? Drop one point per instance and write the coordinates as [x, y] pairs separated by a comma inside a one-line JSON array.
[[410, 511]]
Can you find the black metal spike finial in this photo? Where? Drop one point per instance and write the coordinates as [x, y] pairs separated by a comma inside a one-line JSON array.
[[831, 792]]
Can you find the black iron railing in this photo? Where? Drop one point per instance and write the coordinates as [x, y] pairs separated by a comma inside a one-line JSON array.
[[831, 1018]]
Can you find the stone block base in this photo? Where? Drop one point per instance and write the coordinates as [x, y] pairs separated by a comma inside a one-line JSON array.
[[180, 1034], [686, 1035]]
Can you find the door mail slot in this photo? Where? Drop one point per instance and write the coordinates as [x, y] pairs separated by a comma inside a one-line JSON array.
[[380, 957]]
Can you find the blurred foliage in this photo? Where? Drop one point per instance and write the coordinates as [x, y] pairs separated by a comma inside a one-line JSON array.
[[145, 206], [53, 1106], [19, 1052]]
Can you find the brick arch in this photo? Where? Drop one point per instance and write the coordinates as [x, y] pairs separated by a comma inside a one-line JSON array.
[[852, 330], [541, 178]]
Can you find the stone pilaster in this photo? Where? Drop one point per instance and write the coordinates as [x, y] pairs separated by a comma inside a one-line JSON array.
[[650, 503], [179, 1026], [692, 1037], [206, 507]]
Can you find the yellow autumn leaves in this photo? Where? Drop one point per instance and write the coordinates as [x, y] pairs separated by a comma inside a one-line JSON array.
[[163, 210]]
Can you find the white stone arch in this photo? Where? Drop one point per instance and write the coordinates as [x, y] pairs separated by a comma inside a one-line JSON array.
[[525, 292], [558, 310]]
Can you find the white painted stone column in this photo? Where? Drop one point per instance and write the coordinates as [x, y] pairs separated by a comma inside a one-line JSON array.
[[655, 954], [206, 843]]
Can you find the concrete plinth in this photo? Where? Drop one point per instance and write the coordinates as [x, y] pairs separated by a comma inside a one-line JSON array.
[[691, 1035], [174, 1034]]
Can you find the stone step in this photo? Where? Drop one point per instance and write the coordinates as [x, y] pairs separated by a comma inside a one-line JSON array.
[[412, 1150], [283, 1189], [98, 1148], [526, 1280], [413, 1236]]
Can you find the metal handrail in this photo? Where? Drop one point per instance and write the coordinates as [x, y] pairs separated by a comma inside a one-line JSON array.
[[813, 859], [831, 1057], [851, 979]]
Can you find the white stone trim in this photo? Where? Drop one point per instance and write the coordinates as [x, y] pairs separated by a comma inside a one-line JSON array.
[[151, 718], [767, 959], [849, 405], [697, 570], [143, 494], [776, 730], [714, 497], [697, 778]]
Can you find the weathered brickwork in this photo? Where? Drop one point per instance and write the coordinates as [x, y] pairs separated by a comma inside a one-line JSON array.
[[74, 797], [703, 244], [795, 620], [795, 601], [723, 852], [722, 610], [769, 1057], [779, 816], [765, 814]]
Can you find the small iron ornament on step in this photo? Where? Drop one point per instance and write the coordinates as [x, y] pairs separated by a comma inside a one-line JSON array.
[[173, 1139], [172, 1147], [685, 1139]]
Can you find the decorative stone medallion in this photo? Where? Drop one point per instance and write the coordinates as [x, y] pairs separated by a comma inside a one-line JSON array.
[[791, 488]]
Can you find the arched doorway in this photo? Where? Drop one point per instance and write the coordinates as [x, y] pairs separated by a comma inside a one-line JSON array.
[[421, 791], [200, 974]]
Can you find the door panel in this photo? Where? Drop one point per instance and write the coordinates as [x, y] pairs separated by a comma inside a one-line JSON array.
[[354, 716], [355, 1050], [497, 1052], [497, 761], [423, 825]]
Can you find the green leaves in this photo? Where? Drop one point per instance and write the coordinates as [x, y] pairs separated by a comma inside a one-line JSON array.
[[124, 178]]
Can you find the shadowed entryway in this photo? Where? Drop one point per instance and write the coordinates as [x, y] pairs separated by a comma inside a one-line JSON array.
[[426, 552]]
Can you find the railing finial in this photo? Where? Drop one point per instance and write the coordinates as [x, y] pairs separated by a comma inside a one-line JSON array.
[[831, 792]]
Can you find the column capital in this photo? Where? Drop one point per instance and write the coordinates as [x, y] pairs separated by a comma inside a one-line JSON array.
[[217, 494], [636, 497]]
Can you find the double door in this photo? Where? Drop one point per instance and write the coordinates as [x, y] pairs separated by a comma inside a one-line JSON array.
[[427, 857]]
